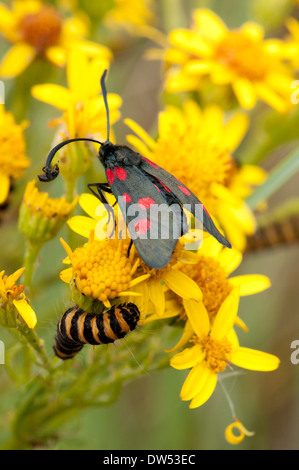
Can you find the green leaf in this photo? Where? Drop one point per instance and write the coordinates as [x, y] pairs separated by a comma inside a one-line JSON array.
[[277, 178]]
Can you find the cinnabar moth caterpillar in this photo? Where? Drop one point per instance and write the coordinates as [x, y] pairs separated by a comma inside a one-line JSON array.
[[77, 327], [283, 232]]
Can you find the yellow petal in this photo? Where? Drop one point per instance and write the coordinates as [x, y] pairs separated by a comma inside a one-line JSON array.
[[157, 296], [182, 285], [271, 97], [16, 60], [209, 24], [198, 316], [195, 381], [245, 93], [225, 194], [198, 67], [4, 187], [141, 133], [66, 275], [56, 95], [243, 217], [206, 391], [190, 42], [241, 324], [67, 248], [226, 315], [57, 55], [26, 312], [252, 174], [233, 338], [12, 279], [251, 283], [188, 358], [89, 204], [253, 31], [82, 225], [254, 360], [185, 338], [230, 259], [235, 130]]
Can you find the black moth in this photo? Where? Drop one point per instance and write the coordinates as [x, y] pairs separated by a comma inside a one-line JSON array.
[[133, 179]]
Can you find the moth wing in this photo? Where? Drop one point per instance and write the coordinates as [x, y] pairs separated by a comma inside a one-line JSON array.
[[154, 239], [185, 196]]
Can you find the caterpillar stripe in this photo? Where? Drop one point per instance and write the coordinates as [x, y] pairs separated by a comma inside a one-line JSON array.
[[284, 232], [77, 327]]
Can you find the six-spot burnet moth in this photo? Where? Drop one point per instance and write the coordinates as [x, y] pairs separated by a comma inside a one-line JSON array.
[[135, 180]]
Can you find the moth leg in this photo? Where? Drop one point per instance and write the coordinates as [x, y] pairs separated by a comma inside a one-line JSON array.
[[100, 195], [129, 248]]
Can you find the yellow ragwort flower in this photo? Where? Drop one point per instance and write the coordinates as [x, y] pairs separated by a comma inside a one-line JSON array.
[[153, 289], [37, 29], [253, 66], [101, 270], [216, 347], [84, 113], [41, 217], [13, 159], [131, 14], [196, 146], [13, 301], [210, 269]]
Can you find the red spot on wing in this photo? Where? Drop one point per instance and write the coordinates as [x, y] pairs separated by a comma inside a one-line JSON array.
[[206, 211], [120, 173], [184, 190], [146, 202], [110, 176], [126, 197], [151, 163], [142, 226], [165, 187], [157, 188]]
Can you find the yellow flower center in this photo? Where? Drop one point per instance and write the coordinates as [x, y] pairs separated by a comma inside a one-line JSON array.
[[48, 207], [13, 160], [243, 56], [216, 352], [42, 29], [102, 269], [13, 292], [213, 282]]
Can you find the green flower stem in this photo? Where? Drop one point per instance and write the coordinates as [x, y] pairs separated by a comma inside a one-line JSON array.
[[54, 396], [31, 253], [28, 336], [277, 178]]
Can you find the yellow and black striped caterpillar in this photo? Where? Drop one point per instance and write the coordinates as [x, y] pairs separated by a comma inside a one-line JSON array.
[[281, 232], [77, 327]]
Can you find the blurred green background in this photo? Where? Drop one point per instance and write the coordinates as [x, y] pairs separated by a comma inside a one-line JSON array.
[[149, 413]]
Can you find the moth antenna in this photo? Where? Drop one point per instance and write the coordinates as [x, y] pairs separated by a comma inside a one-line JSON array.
[[52, 173], [104, 92]]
